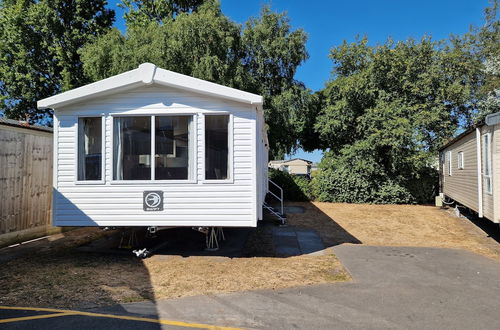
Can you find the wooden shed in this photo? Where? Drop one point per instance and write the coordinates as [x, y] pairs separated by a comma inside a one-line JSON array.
[[470, 169], [25, 181], [151, 147]]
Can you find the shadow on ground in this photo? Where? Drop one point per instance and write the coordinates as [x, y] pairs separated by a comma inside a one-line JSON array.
[[309, 231], [52, 273], [72, 272], [490, 228]]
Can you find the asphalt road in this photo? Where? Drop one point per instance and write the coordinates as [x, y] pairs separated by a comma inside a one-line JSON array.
[[393, 288]]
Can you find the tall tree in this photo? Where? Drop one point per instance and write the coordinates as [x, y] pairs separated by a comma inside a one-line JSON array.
[[199, 40], [204, 44], [485, 41], [386, 112], [142, 12], [272, 54], [39, 42]]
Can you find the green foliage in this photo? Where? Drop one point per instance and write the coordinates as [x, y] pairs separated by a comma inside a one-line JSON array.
[[485, 43], [354, 178], [385, 114], [295, 188], [201, 44], [195, 38], [272, 54], [39, 41], [142, 12]]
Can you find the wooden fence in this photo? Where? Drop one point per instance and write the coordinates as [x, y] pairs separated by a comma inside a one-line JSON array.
[[25, 183]]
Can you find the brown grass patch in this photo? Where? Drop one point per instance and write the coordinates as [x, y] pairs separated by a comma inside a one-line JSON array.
[[66, 278], [393, 225]]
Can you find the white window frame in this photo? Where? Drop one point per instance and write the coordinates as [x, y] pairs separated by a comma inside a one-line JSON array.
[[230, 158], [103, 150], [487, 163], [192, 171], [450, 172], [460, 160]]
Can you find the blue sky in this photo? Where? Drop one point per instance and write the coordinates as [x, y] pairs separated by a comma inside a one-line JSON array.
[[328, 23]]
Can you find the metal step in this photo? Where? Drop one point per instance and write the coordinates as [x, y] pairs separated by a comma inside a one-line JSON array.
[[281, 217]]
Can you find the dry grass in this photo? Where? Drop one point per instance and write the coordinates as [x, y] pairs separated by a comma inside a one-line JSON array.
[[58, 276], [394, 225], [67, 278]]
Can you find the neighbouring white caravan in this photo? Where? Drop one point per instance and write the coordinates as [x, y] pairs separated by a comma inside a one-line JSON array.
[[151, 147], [470, 169]]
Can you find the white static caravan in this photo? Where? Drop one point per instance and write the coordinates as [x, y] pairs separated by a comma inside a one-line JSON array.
[[151, 147]]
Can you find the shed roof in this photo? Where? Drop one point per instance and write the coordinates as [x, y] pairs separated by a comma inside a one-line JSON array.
[[148, 74], [16, 123]]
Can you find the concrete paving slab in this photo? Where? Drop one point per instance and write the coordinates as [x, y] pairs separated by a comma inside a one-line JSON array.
[[291, 241]]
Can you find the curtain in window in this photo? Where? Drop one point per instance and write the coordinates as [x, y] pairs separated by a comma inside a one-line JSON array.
[[83, 147]]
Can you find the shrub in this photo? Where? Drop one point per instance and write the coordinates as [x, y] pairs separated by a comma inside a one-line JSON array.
[[351, 180], [295, 188]]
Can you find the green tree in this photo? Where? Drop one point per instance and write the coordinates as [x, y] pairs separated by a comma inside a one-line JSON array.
[[39, 42], [201, 41], [485, 45], [203, 44], [142, 12], [385, 114], [272, 54]]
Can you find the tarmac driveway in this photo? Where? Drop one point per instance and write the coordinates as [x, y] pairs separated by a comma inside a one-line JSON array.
[[393, 287]]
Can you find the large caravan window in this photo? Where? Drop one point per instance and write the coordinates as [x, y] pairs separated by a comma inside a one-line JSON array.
[[216, 147], [172, 147], [89, 149], [140, 155], [132, 148], [487, 163]]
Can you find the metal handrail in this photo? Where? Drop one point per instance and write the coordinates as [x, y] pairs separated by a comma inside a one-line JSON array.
[[281, 194]]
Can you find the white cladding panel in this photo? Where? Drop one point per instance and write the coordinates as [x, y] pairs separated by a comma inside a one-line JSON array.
[[197, 203]]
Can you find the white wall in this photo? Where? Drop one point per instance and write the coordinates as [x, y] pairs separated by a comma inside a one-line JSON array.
[[185, 204]]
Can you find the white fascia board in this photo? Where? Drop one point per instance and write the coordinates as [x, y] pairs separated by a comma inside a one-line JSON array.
[[105, 86], [177, 80], [147, 74]]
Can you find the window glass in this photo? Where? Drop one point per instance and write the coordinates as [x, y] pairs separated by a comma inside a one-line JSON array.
[[487, 163], [89, 148], [172, 147], [460, 157], [216, 147], [132, 148]]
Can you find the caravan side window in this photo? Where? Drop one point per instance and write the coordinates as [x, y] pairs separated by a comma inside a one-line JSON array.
[[460, 160], [216, 147], [487, 163], [89, 149]]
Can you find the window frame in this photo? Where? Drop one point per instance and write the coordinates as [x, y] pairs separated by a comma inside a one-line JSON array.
[[103, 150], [230, 147], [192, 170], [460, 160], [489, 163]]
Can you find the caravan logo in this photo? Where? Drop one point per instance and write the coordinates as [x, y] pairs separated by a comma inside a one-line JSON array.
[[153, 201]]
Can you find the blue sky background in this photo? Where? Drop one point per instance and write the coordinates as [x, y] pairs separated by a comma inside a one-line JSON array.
[[328, 23]]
